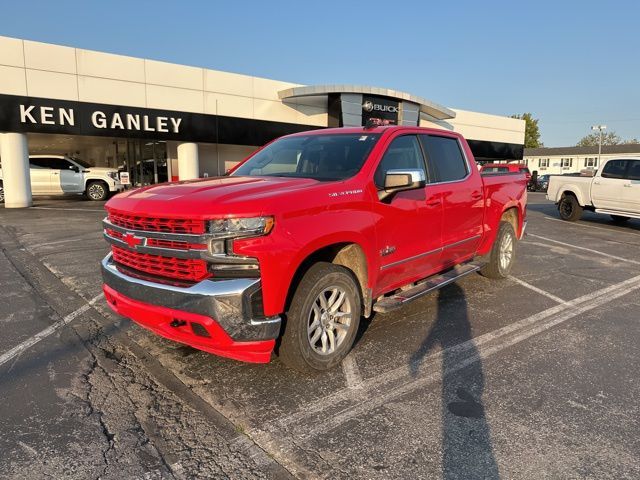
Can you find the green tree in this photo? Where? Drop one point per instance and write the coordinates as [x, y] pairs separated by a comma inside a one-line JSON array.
[[608, 138], [531, 131]]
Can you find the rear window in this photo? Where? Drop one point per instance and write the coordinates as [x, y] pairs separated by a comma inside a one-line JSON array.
[[445, 158], [495, 170]]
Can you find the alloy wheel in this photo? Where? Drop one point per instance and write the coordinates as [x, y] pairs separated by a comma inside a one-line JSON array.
[[329, 320]]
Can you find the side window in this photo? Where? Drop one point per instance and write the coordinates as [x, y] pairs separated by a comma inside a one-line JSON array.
[[445, 157], [615, 169], [634, 170], [403, 153], [40, 163], [61, 164]]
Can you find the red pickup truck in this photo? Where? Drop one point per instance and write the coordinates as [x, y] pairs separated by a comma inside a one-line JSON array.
[[304, 237]]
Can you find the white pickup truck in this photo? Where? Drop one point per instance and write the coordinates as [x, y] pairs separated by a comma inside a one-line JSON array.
[[614, 190], [59, 174]]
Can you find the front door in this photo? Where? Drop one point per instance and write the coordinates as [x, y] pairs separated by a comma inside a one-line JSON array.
[[409, 227], [69, 175], [607, 187]]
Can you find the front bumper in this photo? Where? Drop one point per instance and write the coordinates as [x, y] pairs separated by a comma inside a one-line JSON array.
[[115, 186], [226, 309]]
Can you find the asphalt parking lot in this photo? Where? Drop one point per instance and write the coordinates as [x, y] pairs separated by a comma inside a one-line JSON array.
[[531, 377]]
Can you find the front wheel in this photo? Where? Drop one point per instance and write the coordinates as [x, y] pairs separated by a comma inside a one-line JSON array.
[[503, 253], [97, 191], [569, 208], [323, 319]]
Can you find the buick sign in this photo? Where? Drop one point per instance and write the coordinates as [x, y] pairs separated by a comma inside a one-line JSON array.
[[369, 106]]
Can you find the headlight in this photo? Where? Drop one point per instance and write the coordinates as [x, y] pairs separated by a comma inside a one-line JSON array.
[[113, 175], [240, 227]]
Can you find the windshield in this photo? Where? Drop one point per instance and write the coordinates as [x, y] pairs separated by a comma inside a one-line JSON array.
[[320, 157]]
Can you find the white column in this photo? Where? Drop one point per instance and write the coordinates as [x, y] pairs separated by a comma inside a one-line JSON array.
[[16, 181], [188, 162]]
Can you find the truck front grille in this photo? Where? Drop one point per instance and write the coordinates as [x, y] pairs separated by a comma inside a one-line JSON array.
[[156, 224], [189, 269]]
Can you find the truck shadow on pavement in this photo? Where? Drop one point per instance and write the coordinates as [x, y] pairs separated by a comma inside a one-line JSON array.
[[466, 436]]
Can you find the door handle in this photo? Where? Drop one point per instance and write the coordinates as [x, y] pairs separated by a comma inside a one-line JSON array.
[[434, 203], [476, 196], [55, 173], [628, 185], [596, 183]]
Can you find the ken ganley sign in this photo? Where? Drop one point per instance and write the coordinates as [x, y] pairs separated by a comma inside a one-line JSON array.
[[44, 115]]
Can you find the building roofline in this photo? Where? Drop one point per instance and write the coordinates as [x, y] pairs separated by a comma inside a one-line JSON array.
[[427, 106], [591, 150]]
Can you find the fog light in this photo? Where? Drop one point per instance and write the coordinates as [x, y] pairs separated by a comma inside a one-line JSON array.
[[216, 247]]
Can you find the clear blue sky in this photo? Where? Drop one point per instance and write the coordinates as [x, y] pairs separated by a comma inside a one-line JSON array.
[[570, 63]]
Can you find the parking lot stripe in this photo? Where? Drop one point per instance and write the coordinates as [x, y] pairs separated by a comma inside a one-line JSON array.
[[610, 230], [68, 209], [537, 290], [584, 248], [351, 372], [31, 341], [383, 388], [91, 236]]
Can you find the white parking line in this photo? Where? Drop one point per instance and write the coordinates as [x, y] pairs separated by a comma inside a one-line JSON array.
[[584, 248], [574, 224], [384, 388], [537, 290], [66, 240], [351, 372], [31, 341], [68, 209]]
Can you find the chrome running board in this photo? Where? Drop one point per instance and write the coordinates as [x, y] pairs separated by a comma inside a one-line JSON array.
[[387, 304]]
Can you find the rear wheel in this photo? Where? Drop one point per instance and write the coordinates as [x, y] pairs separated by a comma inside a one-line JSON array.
[[619, 218], [503, 253], [569, 208], [323, 319], [1, 193], [97, 191]]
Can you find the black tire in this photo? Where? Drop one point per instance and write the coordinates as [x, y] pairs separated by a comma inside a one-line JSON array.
[[296, 350], [569, 208], [495, 268], [1, 193], [620, 218], [97, 191]]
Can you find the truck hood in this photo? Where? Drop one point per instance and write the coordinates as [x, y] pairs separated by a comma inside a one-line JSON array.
[[212, 196]]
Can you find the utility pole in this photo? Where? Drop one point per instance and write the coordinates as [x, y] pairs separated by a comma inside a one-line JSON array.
[[600, 128]]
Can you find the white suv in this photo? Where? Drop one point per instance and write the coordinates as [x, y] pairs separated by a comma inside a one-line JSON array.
[[59, 174]]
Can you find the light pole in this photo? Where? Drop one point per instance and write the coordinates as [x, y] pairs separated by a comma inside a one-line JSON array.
[[600, 128]]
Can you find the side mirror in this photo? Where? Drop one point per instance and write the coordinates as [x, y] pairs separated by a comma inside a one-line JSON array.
[[400, 180], [75, 169]]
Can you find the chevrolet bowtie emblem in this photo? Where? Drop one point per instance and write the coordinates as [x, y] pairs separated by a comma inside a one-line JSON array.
[[133, 241]]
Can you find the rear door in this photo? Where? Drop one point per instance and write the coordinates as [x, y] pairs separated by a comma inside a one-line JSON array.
[[409, 226], [607, 186], [41, 176], [461, 190], [631, 189]]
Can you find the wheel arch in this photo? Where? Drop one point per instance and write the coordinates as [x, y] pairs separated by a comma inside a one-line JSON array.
[[571, 190], [350, 255]]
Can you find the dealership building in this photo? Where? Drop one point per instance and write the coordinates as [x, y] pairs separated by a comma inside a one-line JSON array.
[[159, 121]]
